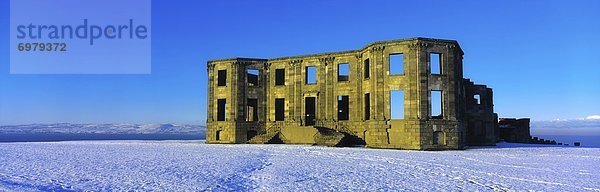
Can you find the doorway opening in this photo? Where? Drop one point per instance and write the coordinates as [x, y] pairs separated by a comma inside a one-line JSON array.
[[310, 110], [252, 109]]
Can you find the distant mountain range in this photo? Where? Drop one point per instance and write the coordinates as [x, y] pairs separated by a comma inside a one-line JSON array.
[[584, 127], [69, 128], [572, 123]]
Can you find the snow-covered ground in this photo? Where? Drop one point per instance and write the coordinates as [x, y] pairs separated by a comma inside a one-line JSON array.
[[195, 166]]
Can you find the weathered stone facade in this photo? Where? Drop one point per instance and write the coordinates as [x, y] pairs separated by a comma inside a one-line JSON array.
[[347, 100], [515, 130]]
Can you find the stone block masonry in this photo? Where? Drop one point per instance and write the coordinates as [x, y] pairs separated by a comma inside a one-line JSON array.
[[401, 94]]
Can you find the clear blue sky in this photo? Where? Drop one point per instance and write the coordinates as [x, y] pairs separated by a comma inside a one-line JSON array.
[[540, 57]]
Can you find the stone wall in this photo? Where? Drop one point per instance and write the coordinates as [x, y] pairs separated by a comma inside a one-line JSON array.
[[479, 118], [369, 121], [515, 130]]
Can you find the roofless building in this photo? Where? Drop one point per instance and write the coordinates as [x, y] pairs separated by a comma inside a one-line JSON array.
[[404, 94]]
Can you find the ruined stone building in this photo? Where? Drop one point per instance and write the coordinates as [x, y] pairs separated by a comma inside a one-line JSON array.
[[404, 94], [514, 130]]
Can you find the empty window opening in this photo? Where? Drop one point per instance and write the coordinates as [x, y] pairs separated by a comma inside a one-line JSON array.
[[279, 109], [343, 71], [397, 104], [311, 75], [343, 109], [397, 64], [436, 105], [477, 99], [310, 113], [438, 138], [367, 106], [435, 63], [279, 76], [218, 135], [367, 69], [222, 78], [252, 108], [221, 109], [250, 134], [252, 77]]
